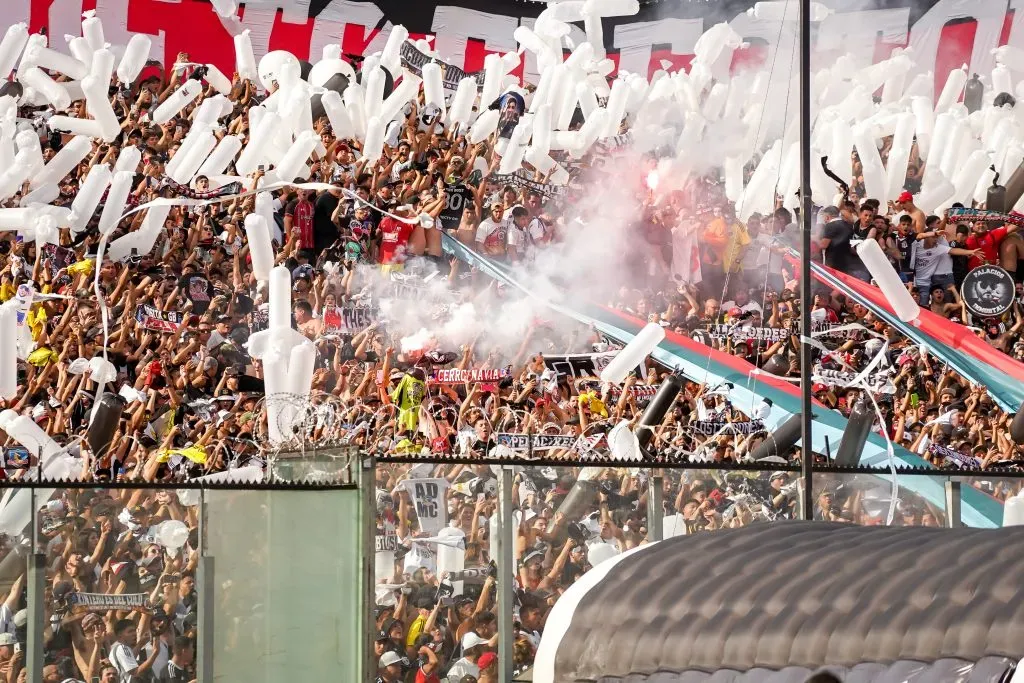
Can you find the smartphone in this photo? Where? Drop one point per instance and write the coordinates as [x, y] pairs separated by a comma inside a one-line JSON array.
[[261, 168], [913, 400]]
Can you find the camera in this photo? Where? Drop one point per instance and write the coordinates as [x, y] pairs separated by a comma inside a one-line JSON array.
[[577, 532]]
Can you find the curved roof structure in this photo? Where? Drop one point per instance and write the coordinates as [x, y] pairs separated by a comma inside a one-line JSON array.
[[776, 602]]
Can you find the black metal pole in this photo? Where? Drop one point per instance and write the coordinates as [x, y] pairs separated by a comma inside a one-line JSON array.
[[806, 449]]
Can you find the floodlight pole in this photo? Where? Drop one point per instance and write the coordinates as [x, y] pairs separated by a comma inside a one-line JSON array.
[[806, 427]]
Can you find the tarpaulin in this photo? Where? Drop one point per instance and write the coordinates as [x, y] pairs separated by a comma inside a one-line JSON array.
[[746, 390], [956, 345]]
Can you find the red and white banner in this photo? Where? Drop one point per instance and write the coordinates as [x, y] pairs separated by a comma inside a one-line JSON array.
[[943, 33]]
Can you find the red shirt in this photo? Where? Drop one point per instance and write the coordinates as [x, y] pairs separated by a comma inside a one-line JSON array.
[[302, 222], [989, 245], [394, 238], [424, 678]]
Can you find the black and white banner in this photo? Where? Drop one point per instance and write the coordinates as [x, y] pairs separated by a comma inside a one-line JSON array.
[[709, 427], [954, 458], [414, 61], [520, 180], [151, 318], [544, 442], [579, 364], [988, 291], [100, 602], [428, 499], [878, 382]]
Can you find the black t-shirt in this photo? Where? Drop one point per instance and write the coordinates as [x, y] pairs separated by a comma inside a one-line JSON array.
[[838, 253], [905, 243], [198, 290], [457, 197], [960, 267], [325, 232]]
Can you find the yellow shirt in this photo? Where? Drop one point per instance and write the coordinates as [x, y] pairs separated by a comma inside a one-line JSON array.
[[739, 238]]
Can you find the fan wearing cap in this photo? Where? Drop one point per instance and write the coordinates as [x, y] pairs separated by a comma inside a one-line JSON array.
[[390, 668], [473, 647], [905, 202]]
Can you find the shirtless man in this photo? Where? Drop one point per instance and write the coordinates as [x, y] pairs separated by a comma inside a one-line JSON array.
[[905, 202]]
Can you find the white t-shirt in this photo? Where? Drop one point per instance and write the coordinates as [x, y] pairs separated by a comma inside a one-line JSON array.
[[462, 668], [123, 659], [491, 233], [929, 262]]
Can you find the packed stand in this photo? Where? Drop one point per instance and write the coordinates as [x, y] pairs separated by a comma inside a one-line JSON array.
[[397, 373]]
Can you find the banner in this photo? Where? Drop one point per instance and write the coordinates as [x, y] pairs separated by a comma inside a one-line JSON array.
[[100, 602], [457, 376], [953, 344], [641, 393], [776, 334], [387, 542], [954, 458], [579, 364], [521, 180], [428, 499], [878, 383], [151, 318], [348, 319], [988, 291], [414, 60], [580, 445], [465, 31], [709, 427], [57, 258], [965, 215]]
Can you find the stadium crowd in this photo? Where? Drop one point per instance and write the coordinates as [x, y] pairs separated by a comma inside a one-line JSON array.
[[180, 316]]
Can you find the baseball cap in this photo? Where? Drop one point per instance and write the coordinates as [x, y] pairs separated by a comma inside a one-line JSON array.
[[389, 658], [470, 640], [7, 639], [905, 197], [486, 659], [20, 618]]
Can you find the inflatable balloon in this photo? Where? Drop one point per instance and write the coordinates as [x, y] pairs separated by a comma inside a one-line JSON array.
[[600, 552], [337, 114], [218, 80], [12, 89], [63, 162], [116, 198], [8, 352], [260, 250], [88, 198], [92, 30], [105, 420], [183, 96], [171, 534], [222, 156], [278, 67], [631, 356], [304, 69], [888, 281], [134, 59], [245, 60], [323, 72], [11, 47]]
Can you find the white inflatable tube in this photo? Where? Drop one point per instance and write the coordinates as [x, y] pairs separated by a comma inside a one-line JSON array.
[[88, 198], [134, 59], [888, 281], [227, 149], [116, 198], [260, 250], [633, 354]]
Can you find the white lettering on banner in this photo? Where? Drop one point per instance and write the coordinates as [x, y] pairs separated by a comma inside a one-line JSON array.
[[454, 26], [343, 19], [636, 41], [428, 501], [927, 32], [858, 28]]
